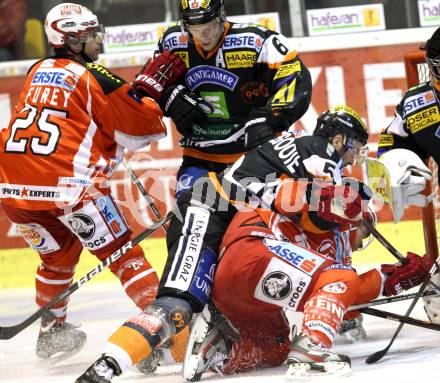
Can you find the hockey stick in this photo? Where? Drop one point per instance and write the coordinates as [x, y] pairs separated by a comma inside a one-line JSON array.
[[373, 358], [400, 318], [8, 332], [386, 300], [385, 243], [144, 193]]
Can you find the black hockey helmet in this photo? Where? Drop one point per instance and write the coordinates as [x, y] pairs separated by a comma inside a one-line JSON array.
[[195, 12], [433, 57], [342, 120]]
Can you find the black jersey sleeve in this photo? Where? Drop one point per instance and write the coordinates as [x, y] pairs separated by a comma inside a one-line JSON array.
[[290, 84]]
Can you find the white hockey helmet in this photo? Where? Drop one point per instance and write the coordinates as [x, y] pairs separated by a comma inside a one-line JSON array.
[[69, 19]]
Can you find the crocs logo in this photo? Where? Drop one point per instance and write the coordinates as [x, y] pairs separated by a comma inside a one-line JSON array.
[[277, 285]]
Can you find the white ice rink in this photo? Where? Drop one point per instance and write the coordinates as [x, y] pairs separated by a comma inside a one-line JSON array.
[[414, 357]]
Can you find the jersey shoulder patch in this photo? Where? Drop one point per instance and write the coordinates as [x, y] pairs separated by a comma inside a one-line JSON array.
[[173, 39], [108, 81], [257, 29], [417, 99]]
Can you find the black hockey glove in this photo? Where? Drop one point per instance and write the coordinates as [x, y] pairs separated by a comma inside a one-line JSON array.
[[258, 130], [185, 108]]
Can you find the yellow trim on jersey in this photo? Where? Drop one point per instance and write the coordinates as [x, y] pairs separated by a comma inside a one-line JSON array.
[[386, 140], [213, 177], [287, 57]]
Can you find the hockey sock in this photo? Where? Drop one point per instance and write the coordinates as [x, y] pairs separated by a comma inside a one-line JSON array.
[[178, 345], [141, 333], [323, 315], [137, 276]]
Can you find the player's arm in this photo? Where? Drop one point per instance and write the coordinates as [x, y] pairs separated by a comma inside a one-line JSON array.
[[290, 82], [398, 278], [133, 122], [397, 136], [289, 88], [184, 107], [321, 203]]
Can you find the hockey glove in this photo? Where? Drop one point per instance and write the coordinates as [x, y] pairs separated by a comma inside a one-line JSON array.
[[338, 203], [185, 108], [257, 129], [158, 74], [403, 277]]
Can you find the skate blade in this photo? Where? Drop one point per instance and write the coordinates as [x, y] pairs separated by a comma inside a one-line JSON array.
[[304, 372], [193, 368], [59, 357], [193, 363]]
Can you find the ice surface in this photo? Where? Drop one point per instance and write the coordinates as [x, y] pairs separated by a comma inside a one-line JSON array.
[[101, 308]]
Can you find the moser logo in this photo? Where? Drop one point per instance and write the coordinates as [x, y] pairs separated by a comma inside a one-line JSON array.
[[346, 19], [429, 12], [423, 119]]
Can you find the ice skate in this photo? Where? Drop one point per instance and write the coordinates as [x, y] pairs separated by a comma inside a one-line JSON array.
[[432, 304], [308, 360], [207, 349], [58, 340], [351, 331], [102, 371]]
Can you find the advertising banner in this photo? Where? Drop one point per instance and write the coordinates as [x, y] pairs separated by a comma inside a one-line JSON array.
[[141, 37], [371, 80], [361, 18], [429, 12]]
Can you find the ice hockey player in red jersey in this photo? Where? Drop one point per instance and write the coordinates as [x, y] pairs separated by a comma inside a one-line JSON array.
[[270, 264], [65, 139], [297, 177]]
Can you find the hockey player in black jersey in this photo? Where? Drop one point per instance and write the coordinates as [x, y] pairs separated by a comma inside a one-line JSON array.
[[416, 127], [297, 177], [251, 80]]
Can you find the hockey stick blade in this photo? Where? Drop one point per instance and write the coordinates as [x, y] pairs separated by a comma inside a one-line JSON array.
[[373, 358], [9, 332]]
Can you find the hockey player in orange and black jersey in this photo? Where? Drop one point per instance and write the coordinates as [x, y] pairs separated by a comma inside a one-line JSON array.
[[416, 125], [65, 139], [252, 81], [298, 178]]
